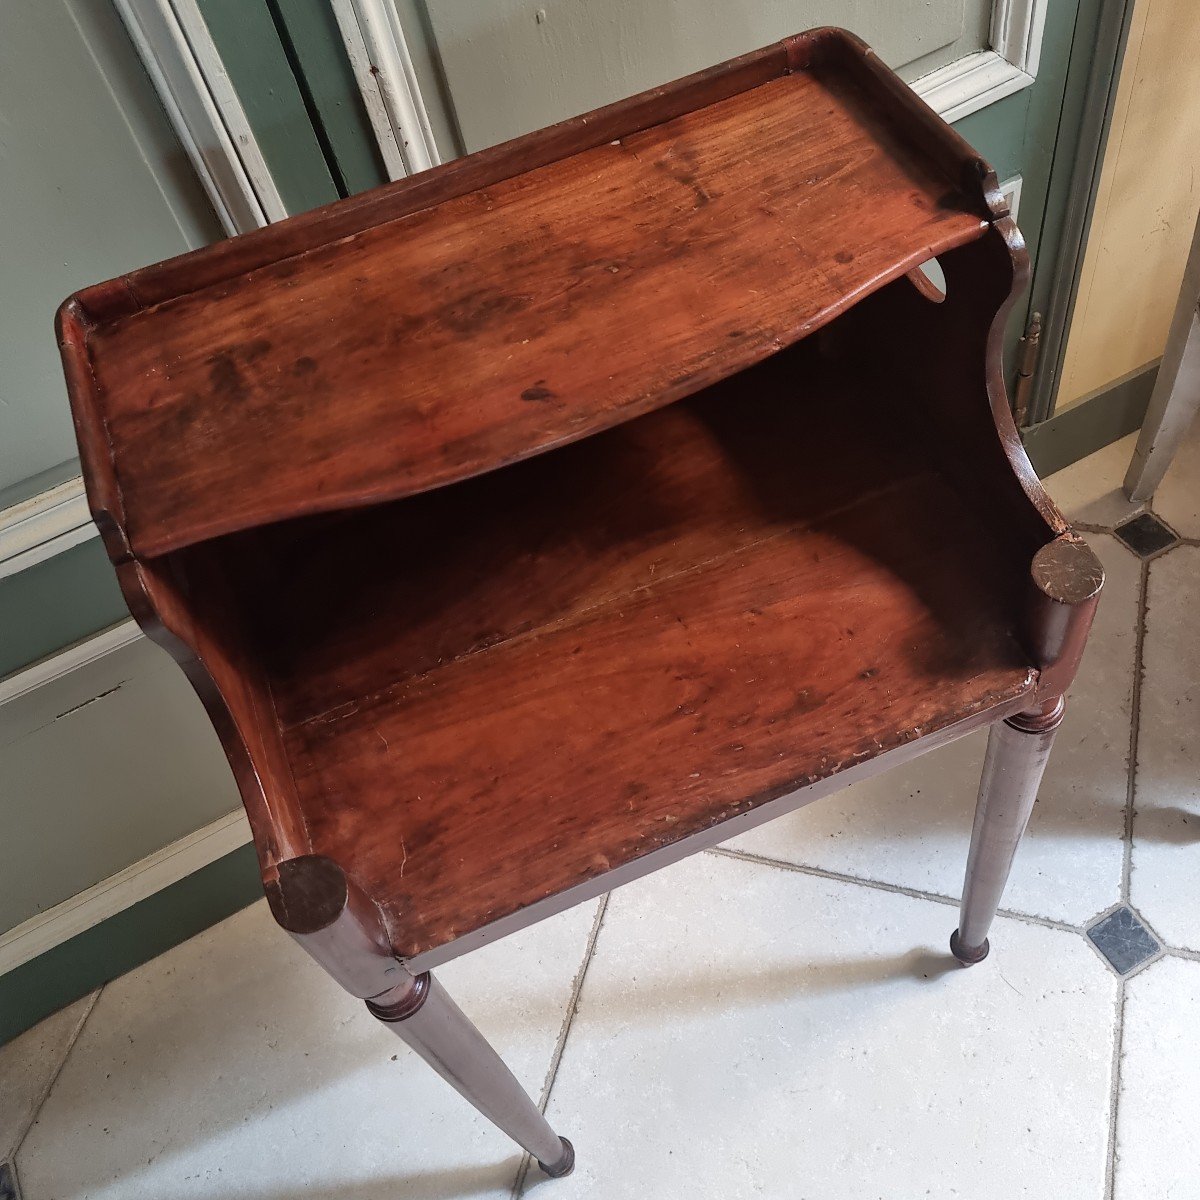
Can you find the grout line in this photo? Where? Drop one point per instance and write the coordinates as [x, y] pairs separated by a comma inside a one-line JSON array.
[[1135, 722], [1182, 952], [1155, 555], [36, 1110], [835, 876], [561, 1045], [894, 888], [1180, 540], [1135, 725], [1114, 1099]]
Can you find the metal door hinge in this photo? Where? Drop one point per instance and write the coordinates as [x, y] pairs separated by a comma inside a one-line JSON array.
[[1027, 361]]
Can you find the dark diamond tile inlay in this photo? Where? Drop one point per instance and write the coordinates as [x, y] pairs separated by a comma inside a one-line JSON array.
[[1145, 534], [1123, 940]]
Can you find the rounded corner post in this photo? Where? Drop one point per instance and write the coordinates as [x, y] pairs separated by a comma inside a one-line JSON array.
[[313, 899], [72, 323], [1066, 578]]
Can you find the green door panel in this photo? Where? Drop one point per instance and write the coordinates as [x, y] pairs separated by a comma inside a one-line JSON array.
[[1035, 133], [313, 44], [255, 58]]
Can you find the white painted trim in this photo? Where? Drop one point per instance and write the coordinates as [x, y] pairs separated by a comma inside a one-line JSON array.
[[1010, 189], [65, 661], [360, 64], [135, 883], [969, 84], [179, 54], [977, 80], [383, 68], [44, 525], [119, 892], [1017, 30]]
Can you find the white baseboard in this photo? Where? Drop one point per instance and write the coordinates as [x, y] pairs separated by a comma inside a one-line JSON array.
[[111, 896]]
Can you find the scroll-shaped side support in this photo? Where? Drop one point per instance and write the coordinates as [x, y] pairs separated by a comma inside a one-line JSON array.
[[1067, 578], [314, 901]]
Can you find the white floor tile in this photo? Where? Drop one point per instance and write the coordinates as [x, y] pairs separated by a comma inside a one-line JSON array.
[[746, 1030], [1158, 1154], [1090, 490], [28, 1065], [232, 1066], [1177, 500], [1166, 827], [912, 826]]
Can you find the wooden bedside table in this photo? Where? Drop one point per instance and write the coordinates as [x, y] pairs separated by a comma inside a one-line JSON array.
[[556, 513]]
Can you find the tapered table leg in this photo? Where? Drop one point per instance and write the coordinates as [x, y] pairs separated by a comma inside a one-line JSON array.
[[428, 1020], [335, 922], [1017, 751]]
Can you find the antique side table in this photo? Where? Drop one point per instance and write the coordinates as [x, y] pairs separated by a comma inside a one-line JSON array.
[[538, 520]]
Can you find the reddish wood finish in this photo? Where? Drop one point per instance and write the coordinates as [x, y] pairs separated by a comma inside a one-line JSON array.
[[516, 317], [622, 643], [514, 530]]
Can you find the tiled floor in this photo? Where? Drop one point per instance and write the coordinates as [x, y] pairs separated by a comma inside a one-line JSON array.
[[779, 1018]]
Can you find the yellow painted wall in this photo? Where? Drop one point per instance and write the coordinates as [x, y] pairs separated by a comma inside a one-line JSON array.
[[1146, 207]]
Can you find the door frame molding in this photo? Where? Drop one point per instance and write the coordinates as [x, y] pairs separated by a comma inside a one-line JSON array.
[[979, 79], [387, 81], [134, 883], [137, 882], [185, 68], [1104, 78]]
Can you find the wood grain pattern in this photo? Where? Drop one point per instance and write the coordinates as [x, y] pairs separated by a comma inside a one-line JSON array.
[[520, 522], [607, 649], [518, 771], [541, 296], [446, 573]]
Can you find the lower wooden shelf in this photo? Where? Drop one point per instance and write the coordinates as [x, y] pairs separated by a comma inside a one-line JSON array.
[[740, 594]]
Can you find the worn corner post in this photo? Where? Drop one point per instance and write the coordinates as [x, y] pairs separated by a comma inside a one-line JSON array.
[[1066, 582], [329, 916]]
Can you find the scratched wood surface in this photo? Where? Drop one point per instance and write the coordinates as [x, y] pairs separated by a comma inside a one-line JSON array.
[[523, 518], [578, 660], [518, 316], [451, 571]]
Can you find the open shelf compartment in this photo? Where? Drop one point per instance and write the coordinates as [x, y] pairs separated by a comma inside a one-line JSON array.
[[558, 667]]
